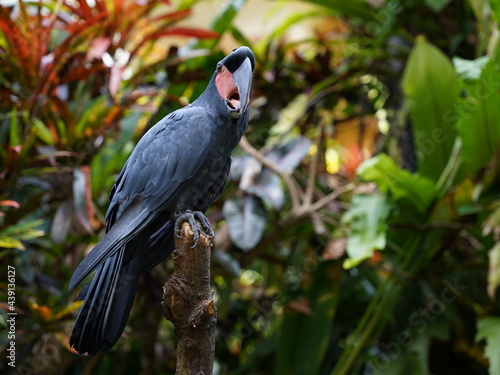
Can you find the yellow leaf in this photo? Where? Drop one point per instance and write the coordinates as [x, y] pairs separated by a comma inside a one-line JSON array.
[[11, 243]]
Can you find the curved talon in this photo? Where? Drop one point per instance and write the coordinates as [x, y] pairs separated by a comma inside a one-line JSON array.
[[191, 217], [205, 224]]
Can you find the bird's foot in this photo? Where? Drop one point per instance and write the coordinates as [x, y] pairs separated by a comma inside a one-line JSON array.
[[193, 218]]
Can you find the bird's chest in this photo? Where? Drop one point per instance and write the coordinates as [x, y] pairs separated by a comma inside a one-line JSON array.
[[206, 185]]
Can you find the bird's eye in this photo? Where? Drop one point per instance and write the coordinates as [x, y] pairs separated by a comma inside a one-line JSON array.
[[219, 67]]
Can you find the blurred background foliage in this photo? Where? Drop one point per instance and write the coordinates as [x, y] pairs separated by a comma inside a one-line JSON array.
[[360, 230]]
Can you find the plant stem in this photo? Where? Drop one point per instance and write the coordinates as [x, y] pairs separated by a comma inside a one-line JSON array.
[[382, 303]]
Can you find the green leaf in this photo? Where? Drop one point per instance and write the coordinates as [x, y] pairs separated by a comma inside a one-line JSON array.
[[42, 131], [399, 183], [15, 135], [479, 119], [25, 230], [288, 118], [302, 341], [223, 22], [186, 4], [484, 26], [495, 6], [489, 329], [367, 218], [11, 243], [437, 5], [11, 236], [284, 27], [226, 16], [239, 37], [111, 158], [431, 88], [94, 113]]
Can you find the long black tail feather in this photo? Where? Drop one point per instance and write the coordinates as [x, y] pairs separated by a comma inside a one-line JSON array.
[[108, 298], [107, 303]]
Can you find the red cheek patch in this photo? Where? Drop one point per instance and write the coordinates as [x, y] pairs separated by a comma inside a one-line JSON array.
[[226, 87]]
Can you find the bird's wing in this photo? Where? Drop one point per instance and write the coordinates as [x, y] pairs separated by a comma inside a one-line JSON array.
[[168, 155]]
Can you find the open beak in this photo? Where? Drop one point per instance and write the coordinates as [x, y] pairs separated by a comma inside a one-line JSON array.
[[242, 79], [235, 87]]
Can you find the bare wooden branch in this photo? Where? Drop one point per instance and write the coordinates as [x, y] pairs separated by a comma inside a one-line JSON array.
[[188, 303]]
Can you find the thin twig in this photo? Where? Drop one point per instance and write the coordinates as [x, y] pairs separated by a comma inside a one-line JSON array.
[[281, 227], [330, 197], [295, 192], [311, 179]]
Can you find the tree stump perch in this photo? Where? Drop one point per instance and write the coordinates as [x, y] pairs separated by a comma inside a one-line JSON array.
[[188, 303]]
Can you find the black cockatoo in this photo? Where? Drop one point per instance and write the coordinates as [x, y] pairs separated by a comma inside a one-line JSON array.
[[175, 172]]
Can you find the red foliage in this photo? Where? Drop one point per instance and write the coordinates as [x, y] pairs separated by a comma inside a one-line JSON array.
[[48, 48]]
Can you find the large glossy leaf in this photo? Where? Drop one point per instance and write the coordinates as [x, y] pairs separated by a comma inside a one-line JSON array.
[[399, 183], [479, 120], [367, 220], [289, 155], [246, 218], [268, 188], [431, 88], [263, 182], [302, 342]]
